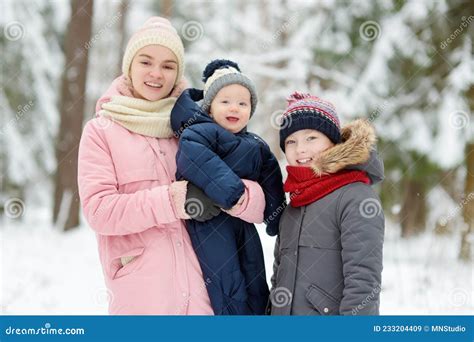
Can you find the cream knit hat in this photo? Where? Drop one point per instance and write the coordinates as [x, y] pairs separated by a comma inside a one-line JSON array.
[[155, 31]]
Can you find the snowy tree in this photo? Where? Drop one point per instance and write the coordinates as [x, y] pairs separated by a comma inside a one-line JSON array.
[[30, 44]]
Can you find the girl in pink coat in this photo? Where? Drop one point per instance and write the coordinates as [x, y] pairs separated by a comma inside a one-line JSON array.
[[127, 184]]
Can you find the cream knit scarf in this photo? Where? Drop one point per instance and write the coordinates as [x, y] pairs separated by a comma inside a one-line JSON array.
[[141, 116]]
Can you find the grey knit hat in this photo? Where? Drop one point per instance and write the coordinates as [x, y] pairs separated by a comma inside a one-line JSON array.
[[220, 73]]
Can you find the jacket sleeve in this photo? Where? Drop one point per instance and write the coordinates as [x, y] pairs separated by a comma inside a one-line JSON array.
[[362, 234], [253, 204], [108, 211], [271, 181], [198, 161], [276, 262], [273, 284]]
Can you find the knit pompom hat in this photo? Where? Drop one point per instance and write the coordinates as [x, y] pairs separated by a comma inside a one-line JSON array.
[[220, 73], [306, 111], [155, 31]]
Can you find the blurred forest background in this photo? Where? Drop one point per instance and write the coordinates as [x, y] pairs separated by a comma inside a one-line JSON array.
[[407, 66]]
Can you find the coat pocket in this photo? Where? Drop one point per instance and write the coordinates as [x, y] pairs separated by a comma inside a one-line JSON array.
[[125, 263], [322, 301]]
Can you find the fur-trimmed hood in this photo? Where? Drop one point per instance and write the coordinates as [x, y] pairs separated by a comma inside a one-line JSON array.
[[356, 151]]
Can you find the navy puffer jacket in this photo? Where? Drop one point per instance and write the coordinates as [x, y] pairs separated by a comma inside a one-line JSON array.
[[229, 249]]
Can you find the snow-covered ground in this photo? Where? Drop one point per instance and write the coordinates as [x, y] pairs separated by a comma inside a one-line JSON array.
[[48, 272]]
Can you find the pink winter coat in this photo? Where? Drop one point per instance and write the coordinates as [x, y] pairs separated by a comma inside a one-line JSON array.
[[124, 181]]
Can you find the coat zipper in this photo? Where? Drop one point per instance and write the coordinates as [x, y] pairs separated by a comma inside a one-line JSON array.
[[297, 254]]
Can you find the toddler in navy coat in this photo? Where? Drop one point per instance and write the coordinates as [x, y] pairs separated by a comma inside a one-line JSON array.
[[215, 152]]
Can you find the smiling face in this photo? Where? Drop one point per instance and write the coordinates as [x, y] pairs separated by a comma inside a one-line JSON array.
[[153, 72], [231, 107], [304, 146]]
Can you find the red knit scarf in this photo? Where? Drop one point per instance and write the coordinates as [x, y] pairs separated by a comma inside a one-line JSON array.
[[306, 187]]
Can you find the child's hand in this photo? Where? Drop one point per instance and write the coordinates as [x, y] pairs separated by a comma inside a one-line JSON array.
[[237, 207], [198, 206]]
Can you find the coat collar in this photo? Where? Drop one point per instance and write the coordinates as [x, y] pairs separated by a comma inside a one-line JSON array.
[[358, 140]]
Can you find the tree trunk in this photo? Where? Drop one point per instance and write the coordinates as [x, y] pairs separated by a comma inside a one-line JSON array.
[[122, 31], [465, 252], [73, 84], [167, 8], [413, 212], [450, 183]]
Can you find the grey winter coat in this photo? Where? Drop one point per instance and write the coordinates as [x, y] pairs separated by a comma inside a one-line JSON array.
[[328, 255]]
